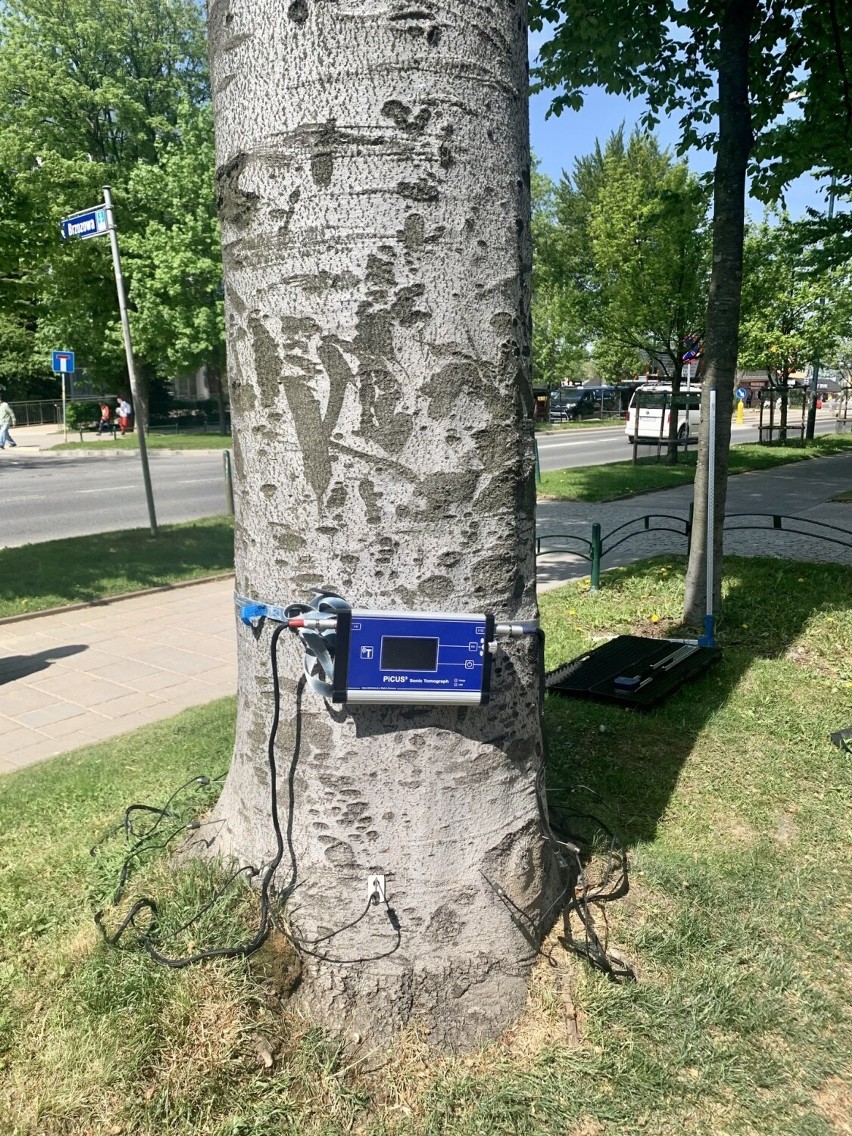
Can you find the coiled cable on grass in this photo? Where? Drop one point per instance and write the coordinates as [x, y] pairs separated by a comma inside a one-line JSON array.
[[148, 935]]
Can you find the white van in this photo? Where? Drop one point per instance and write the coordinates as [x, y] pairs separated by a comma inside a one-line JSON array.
[[655, 409]]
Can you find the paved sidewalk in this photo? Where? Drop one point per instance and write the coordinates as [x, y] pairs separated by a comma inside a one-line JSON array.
[[72, 678]]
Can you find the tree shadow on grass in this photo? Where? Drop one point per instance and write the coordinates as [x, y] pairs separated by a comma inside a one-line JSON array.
[[629, 762], [82, 569]]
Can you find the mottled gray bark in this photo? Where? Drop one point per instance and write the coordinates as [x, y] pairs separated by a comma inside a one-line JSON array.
[[373, 181]]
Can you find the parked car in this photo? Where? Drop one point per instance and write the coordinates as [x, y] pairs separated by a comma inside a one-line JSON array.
[[571, 404], [654, 402]]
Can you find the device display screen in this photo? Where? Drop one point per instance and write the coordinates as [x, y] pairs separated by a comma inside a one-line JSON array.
[[403, 653]]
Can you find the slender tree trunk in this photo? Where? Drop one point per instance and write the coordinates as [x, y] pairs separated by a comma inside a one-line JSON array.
[[675, 419], [220, 380], [143, 391], [373, 181], [723, 305]]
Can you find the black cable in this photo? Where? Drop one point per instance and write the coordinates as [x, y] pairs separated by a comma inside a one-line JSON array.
[[260, 936], [301, 944], [593, 949], [148, 936]]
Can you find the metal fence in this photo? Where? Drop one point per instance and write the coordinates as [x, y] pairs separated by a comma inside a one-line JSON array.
[[593, 549], [38, 412]]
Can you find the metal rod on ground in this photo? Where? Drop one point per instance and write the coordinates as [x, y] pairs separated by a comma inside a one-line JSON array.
[[708, 639], [229, 484], [128, 350], [637, 400], [64, 410]]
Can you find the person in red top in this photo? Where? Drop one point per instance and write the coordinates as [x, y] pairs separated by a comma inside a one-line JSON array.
[[105, 419]]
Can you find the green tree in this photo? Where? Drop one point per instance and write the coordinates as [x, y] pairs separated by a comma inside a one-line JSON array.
[[726, 68], [558, 347], [648, 243], [175, 258], [88, 91], [795, 309]]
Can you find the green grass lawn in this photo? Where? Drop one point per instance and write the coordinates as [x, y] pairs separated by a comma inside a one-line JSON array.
[[623, 479], [155, 441], [735, 809], [39, 576]]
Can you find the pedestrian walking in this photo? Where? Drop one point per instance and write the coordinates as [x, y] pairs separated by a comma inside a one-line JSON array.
[[124, 412], [105, 421], [7, 419]]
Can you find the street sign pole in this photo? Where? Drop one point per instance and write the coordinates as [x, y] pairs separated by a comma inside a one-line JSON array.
[[63, 364], [128, 349]]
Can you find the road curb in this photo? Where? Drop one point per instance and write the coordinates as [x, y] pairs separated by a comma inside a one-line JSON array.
[[114, 599], [99, 453]]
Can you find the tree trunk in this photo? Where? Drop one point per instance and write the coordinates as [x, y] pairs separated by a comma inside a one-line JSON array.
[[723, 304], [140, 401], [676, 419], [373, 184]]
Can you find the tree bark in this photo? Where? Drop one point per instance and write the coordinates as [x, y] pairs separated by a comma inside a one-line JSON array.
[[723, 304], [373, 185]]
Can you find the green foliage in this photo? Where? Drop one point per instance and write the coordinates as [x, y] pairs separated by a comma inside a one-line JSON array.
[[632, 233], [794, 309], [89, 92], [79, 415], [558, 349], [175, 260], [670, 54]]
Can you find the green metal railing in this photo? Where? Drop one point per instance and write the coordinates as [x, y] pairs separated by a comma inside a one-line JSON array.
[[593, 549]]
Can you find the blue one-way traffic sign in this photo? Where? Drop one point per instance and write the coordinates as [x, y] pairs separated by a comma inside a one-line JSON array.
[[63, 362], [89, 223]]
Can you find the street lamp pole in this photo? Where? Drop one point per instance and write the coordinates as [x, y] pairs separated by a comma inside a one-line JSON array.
[[810, 426]]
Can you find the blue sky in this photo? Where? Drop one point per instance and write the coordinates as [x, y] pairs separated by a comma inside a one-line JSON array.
[[558, 141]]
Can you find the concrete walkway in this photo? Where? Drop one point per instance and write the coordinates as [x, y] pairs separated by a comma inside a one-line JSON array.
[[71, 678], [74, 677]]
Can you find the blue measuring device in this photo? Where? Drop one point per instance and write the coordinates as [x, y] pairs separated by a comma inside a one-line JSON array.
[[415, 657]]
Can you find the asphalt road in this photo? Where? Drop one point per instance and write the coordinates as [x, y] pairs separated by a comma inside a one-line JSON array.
[[564, 449], [46, 496]]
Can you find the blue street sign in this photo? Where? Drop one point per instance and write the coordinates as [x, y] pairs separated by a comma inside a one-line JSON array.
[[741, 392], [689, 356], [89, 223], [63, 362]]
